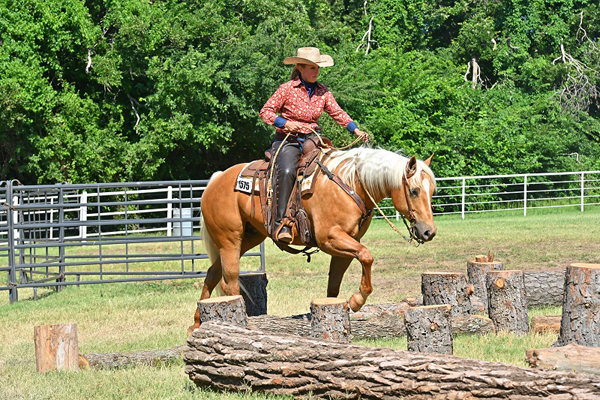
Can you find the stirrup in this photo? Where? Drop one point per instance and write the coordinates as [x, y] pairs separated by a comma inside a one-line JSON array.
[[283, 234]]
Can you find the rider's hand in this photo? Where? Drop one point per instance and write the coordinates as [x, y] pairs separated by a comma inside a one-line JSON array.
[[363, 135], [293, 126]]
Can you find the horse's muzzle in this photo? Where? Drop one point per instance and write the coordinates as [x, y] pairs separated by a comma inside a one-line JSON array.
[[425, 232]]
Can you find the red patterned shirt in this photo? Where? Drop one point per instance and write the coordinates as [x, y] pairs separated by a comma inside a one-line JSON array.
[[291, 100]]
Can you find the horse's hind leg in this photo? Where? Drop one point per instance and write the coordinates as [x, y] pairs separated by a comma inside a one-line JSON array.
[[231, 262]]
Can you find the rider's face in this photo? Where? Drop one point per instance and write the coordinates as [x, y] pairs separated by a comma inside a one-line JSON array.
[[309, 73]]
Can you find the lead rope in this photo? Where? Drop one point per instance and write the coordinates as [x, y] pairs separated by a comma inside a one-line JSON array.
[[408, 240]]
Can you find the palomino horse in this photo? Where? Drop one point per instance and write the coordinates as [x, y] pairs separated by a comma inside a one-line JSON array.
[[231, 225]]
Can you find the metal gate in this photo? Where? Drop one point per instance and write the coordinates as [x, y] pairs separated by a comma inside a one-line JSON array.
[[59, 235]]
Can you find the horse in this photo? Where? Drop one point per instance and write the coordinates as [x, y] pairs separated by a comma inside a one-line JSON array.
[[232, 225]]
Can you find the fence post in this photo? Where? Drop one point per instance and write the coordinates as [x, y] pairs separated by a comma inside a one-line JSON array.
[[397, 216], [582, 190], [61, 236], [169, 211], [83, 215], [463, 197], [13, 294], [525, 196]]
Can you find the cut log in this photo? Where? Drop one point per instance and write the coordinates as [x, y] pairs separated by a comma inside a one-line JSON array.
[[56, 347], [228, 357], [507, 302], [477, 270], [580, 322], [447, 288], [330, 319], [571, 357], [429, 329], [545, 324], [120, 360], [229, 309], [253, 288], [544, 288], [384, 326]]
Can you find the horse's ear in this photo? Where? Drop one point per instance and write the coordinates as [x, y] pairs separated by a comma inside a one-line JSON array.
[[428, 161], [411, 167]]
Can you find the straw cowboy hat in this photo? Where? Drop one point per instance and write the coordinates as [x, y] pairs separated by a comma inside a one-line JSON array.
[[311, 56]]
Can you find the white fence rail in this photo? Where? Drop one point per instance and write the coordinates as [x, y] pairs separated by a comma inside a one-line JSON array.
[[517, 192]]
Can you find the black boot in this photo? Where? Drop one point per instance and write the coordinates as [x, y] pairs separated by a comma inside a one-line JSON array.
[[287, 166]]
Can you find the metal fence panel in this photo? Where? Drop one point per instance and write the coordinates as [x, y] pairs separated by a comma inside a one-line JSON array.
[[60, 235]]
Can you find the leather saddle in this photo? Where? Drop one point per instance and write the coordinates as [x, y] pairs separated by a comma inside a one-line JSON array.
[[259, 171]]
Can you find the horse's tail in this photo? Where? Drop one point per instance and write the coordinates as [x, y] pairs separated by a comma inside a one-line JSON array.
[[209, 245]]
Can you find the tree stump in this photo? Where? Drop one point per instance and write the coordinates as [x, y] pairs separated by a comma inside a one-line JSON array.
[[229, 309], [330, 319], [429, 329], [447, 288], [253, 288], [580, 322], [507, 302], [56, 348], [477, 270]]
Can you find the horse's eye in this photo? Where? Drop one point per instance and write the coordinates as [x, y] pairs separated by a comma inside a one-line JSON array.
[[414, 192]]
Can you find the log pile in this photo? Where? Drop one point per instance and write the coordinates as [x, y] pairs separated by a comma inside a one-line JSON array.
[[544, 288], [228, 357], [428, 329], [447, 288], [477, 270]]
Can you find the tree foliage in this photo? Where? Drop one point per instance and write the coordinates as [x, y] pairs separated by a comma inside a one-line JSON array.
[[150, 90]]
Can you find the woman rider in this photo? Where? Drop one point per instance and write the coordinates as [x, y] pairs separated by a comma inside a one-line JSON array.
[[300, 102]]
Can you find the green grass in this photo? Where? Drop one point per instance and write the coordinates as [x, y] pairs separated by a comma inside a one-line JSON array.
[[126, 317]]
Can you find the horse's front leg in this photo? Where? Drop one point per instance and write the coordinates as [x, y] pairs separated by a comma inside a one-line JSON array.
[[341, 244]]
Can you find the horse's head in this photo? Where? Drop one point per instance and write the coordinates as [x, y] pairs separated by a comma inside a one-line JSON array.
[[413, 198]]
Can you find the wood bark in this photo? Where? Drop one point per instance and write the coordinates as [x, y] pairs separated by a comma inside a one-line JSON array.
[[507, 302], [477, 270], [545, 324], [580, 322], [253, 288], [447, 288], [330, 319], [429, 329], [224, 308], [544, 288], [56, 348], [227, 357], [121, 360], [571, 357]]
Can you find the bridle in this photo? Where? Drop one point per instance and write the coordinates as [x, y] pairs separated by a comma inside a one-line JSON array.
[[412, 219]]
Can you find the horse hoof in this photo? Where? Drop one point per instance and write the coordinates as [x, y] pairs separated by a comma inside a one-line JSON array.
[[354, 304], [191, 329]]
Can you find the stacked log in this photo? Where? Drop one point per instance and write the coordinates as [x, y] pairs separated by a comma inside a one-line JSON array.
[[507, 301], [429, 329], [227, 357], [545, 324], [544, 288], [571, 357], [447, 288], [580, 322], [477, 270]]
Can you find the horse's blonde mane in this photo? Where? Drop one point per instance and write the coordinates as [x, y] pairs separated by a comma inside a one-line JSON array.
[[378, 170]]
